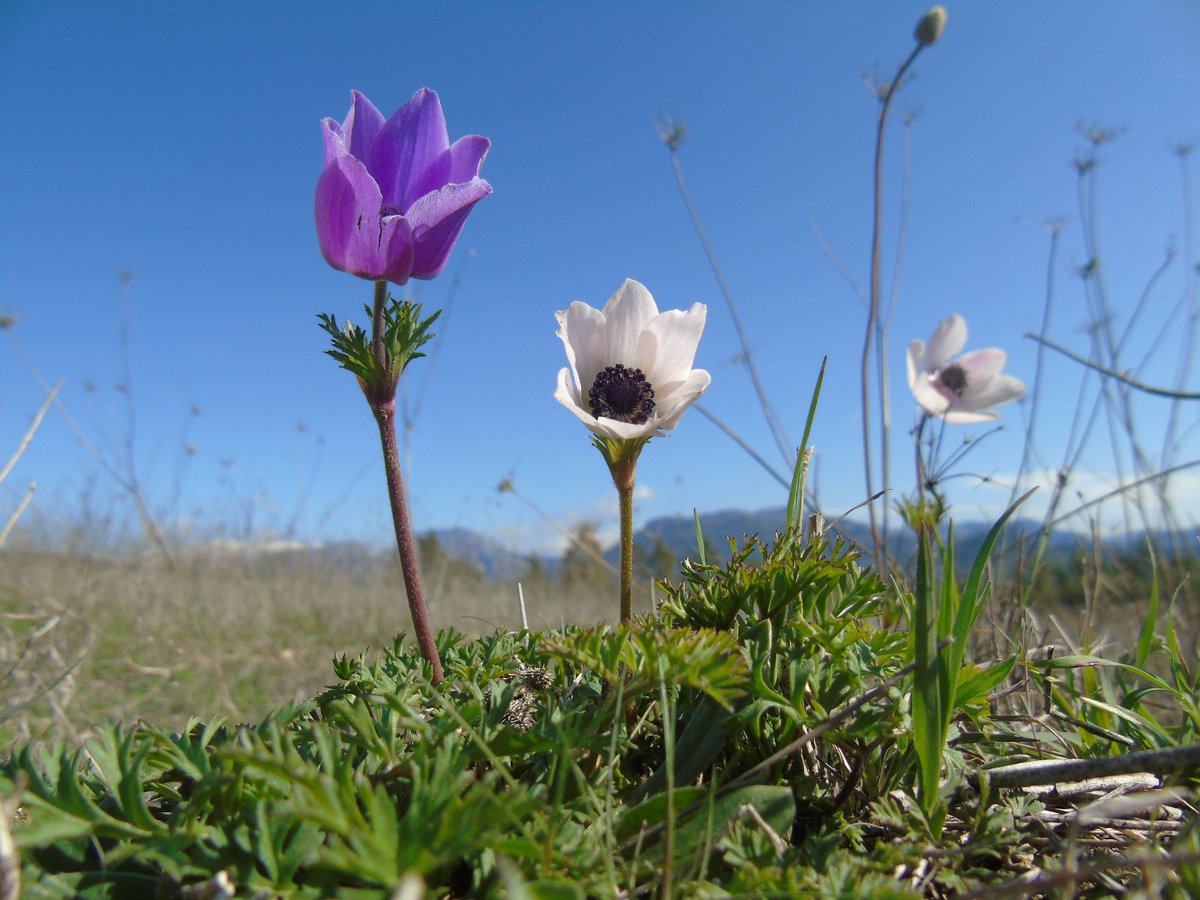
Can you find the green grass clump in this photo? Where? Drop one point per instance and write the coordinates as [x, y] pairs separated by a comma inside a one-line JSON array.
[[752, 736]]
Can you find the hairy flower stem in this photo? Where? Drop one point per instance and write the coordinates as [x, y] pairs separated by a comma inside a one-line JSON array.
[[384, 409], [377, 325], [385, 415], [623, 474]]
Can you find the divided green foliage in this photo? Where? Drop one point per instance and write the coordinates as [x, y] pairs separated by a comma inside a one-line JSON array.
[[765, 732]]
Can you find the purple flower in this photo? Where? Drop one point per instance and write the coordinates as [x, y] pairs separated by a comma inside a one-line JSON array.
[[959, 390], [394, 195]]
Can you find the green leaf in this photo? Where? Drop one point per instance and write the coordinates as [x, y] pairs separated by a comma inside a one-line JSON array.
[[980, 682], [698, 746], [709, 820], [795, 504], [1150, 624]]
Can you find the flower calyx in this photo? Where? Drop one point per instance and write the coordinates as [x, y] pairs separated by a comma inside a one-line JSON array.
[[402, 335]]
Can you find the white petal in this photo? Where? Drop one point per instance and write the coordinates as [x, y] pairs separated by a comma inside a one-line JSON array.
[[980, 367], [667, 346], [568, 395], [916, 353], [624, 431], [947, 339], [928, 397], [626, 314], [667, 414], [582, 331], [1000, 389], [963, 417]]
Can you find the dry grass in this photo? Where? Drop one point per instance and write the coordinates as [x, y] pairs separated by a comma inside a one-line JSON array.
[[90, 639]]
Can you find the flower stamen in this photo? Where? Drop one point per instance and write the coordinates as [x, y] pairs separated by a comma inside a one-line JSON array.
[[622, 394], [953, 380]]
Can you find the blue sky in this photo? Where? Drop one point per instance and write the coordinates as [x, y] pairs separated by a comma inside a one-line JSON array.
[[181, 142]]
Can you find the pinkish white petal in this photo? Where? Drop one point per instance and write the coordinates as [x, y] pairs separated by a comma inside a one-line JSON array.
[[947, 339], [981, 366], [1000, 389]]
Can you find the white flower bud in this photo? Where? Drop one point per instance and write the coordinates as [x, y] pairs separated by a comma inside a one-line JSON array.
[[929, 29]]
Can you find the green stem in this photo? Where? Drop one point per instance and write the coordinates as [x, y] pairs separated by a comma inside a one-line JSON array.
[[623, 474], [873, 303], [377, 325]]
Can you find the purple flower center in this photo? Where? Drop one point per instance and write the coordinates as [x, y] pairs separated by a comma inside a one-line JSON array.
[[953, 380], [389, 210], [622, 394]]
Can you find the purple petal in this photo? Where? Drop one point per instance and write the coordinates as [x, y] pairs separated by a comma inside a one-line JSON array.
[[459, 164], [437, 219], [361, 126], [466, 158], [406, 146], [397, 249], [947, 339], [335, 140], [349, 229]]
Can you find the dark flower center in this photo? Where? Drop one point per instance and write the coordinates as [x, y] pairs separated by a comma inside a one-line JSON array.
[[389, 210], [954, 380], [622, 394]]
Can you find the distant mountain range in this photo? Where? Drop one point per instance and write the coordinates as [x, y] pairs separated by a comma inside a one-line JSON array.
[[499, 562], [679, 534]]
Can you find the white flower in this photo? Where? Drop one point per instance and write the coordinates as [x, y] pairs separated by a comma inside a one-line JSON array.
[[631, 374], [959, 390]]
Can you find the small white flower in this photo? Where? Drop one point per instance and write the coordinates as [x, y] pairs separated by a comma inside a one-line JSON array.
[[631, 374], [959, 390]]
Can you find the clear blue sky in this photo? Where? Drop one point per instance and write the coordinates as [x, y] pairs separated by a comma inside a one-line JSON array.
[[181, 142]]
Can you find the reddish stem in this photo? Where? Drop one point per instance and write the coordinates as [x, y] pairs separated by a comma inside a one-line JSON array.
[[385, 415]]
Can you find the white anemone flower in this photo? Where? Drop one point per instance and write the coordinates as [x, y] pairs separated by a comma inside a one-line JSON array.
[[631, 374], [959, 390]]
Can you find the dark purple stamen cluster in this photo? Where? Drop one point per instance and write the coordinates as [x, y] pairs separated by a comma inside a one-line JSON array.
[[622, 394], [954, 379]]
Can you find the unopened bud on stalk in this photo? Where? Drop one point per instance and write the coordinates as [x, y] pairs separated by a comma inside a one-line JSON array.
[[930, 28]]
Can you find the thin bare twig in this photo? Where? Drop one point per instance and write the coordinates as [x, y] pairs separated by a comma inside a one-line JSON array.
[[1028, 774], [671, 138], [1112, 373], [889, 93], [741, 442]]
